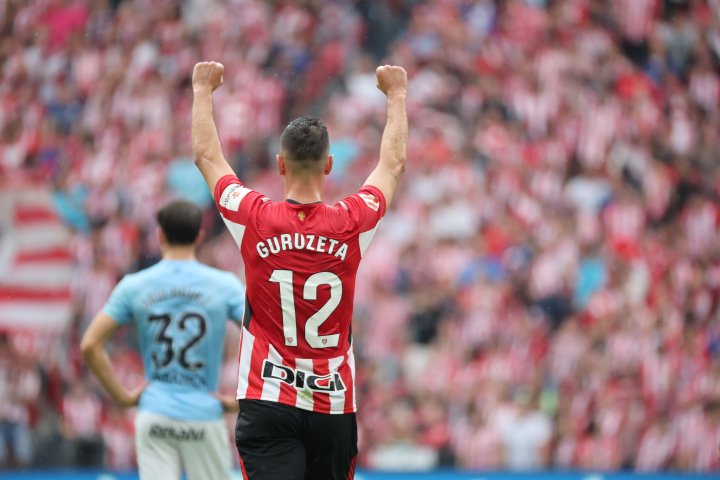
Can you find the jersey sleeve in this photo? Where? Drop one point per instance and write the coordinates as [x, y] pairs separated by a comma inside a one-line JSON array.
[[366, 208], [236, 299], [119, 305], [235, 203]]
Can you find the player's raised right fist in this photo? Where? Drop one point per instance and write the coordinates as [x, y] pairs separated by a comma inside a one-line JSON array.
[[391, 79], [207, 75]]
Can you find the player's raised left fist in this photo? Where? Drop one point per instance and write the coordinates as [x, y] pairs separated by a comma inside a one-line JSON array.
[[207, 75]]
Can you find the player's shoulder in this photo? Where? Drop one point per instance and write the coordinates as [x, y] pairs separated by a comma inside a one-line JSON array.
[[132, 281], [366, 203]]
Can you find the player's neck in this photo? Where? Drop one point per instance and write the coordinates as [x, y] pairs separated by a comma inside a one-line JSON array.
[[304, 190], [178, 253]]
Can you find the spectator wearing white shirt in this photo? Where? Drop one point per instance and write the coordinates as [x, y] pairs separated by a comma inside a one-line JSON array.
[[526, 433]]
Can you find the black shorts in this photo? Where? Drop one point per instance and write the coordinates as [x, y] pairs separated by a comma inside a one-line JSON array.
[[279, 442]]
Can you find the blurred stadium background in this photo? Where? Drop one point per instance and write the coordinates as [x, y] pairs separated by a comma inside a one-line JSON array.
[[544, 294]]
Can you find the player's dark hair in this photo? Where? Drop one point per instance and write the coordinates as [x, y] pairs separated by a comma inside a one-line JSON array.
[[305, 143], [180, 222]]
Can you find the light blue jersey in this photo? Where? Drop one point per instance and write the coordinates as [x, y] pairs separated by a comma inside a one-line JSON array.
[[179, 308]]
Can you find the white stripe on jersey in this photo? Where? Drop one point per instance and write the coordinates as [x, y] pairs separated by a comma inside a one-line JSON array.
[[304, 396], [271, 387], [337, 399], [236, 230], [246, 347], [351, 363], [366, 237]]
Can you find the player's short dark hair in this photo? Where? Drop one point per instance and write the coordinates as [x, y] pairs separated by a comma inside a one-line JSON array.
[[180, 222], [305, 143]]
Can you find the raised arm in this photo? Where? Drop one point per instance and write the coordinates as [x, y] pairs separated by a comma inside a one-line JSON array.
[[392, 81], [207, 76]]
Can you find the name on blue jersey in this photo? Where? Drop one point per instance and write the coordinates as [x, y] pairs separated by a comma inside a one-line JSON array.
[[176, 292]]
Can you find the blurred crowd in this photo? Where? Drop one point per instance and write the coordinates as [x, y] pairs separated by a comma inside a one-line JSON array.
[[543, 293]]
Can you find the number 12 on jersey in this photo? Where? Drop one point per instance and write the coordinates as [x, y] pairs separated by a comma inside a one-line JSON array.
[[310, 289]]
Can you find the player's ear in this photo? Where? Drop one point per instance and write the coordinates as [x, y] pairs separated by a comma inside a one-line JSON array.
[[282, 168], [161, 237], [200, 237], [328, 165]]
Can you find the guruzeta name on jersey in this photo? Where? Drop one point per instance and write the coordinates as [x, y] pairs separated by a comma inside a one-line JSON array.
[[300, 241]]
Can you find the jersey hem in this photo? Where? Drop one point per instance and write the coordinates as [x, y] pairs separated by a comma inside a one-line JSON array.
[[179, 418], [352, 409]]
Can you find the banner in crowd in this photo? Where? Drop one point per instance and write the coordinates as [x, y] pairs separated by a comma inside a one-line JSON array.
[[36, 265]]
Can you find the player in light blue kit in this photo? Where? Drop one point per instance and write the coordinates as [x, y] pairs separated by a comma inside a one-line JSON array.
[[179, 308]]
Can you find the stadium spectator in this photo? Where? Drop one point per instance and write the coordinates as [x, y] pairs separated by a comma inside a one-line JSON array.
[[81, 414], [19, 389], [526, 433]]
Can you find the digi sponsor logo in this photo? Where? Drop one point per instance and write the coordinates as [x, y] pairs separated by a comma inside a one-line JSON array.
[[303, 380], [371, 200]]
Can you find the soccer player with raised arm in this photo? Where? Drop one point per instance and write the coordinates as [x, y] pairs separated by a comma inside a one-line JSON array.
[[179, 308], [297, 369]]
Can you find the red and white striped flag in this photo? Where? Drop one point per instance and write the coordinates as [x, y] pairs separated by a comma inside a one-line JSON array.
[[35, 262]]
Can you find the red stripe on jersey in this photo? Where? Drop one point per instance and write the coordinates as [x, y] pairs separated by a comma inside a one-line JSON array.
[[255, 380], [242, 332], [288, 393], [321, 399]]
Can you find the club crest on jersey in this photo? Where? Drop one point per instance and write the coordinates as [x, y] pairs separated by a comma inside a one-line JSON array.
[[301, 216], [371, 200], [303, 380]]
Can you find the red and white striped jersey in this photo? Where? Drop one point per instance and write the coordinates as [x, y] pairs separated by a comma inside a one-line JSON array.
[[657, 449], [300, 266], [637, 19]]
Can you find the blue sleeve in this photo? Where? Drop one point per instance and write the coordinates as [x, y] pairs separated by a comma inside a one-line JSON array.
[[236, 298], [119, 305]]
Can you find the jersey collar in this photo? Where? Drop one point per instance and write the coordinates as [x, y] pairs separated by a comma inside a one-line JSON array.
[[295, 202]]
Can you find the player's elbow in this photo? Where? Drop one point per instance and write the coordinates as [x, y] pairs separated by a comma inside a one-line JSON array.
[[200, 159], [398, 169], [88, 346]]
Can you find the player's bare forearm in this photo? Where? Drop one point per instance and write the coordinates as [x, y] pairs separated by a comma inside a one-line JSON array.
[[206, 143], [93, 350], [393, 147], [98, 362], [207, 76]]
